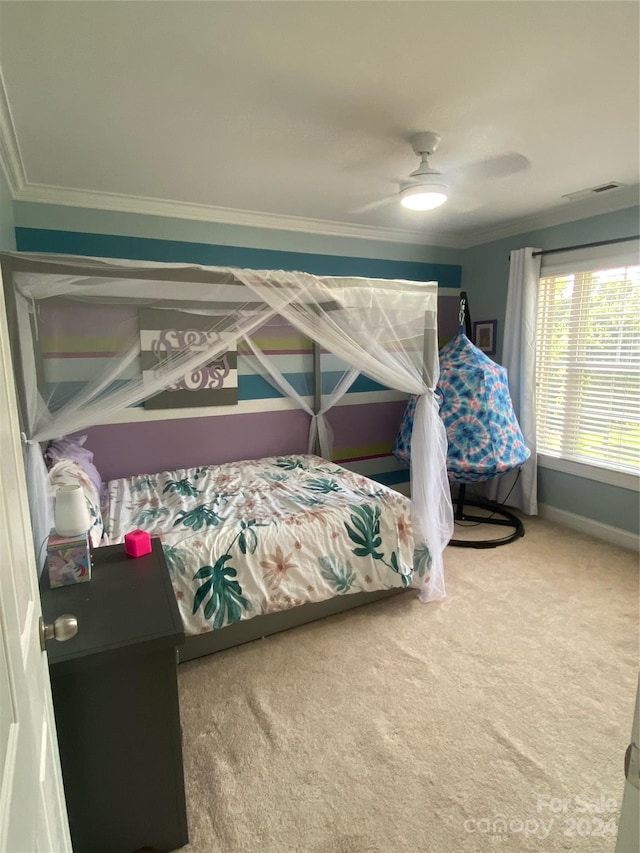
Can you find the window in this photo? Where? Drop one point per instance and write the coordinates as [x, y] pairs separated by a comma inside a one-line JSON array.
[[588, 365]]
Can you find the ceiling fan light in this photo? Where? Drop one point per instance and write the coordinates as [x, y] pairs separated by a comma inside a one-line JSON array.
[[424, 196]]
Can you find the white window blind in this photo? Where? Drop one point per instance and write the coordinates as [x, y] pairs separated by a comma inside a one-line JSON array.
[[588, 366]]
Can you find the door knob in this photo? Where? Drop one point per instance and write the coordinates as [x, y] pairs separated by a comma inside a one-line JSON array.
[[632, 765], [64, 628]]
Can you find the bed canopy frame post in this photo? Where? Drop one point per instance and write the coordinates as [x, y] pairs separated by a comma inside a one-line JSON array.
[[429, 342], [317, 390], [6, 265]]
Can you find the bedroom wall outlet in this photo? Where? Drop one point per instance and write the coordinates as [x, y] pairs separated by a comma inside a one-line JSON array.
[[68, 559]]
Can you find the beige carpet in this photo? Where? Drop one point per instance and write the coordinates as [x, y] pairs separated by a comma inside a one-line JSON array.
[[403, 727]]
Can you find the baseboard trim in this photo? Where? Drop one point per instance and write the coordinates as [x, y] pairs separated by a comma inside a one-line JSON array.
[[616, 535]]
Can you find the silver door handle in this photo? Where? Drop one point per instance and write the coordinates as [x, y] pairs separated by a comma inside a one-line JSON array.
[[64, 628]]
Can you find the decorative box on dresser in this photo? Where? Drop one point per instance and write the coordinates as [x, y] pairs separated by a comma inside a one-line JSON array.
[[115, 697]]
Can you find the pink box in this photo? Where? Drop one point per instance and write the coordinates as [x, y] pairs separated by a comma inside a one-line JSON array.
[[137, 543], [68, 559]]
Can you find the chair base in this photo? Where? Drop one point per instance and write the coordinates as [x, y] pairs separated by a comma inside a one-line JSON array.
[[500, 516]]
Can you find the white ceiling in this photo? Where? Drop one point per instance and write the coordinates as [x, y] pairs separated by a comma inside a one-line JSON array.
[[293, 112]]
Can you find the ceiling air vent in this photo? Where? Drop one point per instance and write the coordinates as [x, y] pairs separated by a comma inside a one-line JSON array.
[[591, 191], [605, 187]]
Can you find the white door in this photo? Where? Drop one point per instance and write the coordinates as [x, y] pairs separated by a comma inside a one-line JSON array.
[[33, 816]]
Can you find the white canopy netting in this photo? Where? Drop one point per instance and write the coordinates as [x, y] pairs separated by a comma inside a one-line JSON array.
[[385, 329]]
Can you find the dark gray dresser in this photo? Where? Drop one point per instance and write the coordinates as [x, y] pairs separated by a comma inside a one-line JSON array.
[[115, 698]]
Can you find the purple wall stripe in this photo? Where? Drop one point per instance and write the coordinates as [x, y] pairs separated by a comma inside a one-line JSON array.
[[122, 450], [366, 423]]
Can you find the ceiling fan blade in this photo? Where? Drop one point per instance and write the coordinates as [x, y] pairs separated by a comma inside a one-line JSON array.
[[372, 205], [464, 203], [493, 167]]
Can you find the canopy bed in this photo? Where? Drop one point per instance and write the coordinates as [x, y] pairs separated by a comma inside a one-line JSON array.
[[277, 511]]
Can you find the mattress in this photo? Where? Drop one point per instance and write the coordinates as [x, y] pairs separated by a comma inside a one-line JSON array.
[[249, 538]]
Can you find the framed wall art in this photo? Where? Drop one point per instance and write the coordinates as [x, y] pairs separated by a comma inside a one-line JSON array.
[[484, 336]]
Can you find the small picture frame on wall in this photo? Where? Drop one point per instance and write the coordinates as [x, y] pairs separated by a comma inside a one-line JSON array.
[[484, 336]]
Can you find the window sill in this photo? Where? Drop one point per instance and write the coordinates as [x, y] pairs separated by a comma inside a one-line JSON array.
[[590, 472]]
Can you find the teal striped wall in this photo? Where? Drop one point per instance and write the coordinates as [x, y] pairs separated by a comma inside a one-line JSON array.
[[54, 228], [364, 425], [173, 251]]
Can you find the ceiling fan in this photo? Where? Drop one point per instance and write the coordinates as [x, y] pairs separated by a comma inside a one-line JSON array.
[[426, 188]]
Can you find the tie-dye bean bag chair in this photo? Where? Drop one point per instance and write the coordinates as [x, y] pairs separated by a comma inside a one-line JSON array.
[[484, 438]]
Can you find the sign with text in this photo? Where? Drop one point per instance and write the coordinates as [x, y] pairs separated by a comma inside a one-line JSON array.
[[164, 336]]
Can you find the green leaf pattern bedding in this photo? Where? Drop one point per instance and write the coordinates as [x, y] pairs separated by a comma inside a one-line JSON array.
[[247, 538]]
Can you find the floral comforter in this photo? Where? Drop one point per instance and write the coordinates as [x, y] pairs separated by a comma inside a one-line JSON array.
[[247, 538]]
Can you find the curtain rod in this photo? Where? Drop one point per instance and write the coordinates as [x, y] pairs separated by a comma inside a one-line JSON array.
[[584, 246]]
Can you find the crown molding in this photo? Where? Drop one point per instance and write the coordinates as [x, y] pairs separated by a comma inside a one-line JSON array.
[[67, 196], [10, 157], [568, 212]]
